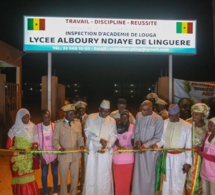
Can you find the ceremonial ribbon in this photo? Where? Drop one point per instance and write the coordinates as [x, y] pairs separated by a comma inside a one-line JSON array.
[[87, 151], [160, 168], [46, 152], [153, 149]]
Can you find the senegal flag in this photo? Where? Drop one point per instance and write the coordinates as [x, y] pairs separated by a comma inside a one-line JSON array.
[[184, 27], [36, 24]]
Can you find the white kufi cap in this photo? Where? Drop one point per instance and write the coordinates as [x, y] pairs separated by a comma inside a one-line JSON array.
[[105, 104]]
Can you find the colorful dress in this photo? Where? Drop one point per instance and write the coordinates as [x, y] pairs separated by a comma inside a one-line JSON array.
[[23, 180], [21, 137], [198, 134]]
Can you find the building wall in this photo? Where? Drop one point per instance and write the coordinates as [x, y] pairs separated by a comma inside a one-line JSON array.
[[163, 88], [10, 55]]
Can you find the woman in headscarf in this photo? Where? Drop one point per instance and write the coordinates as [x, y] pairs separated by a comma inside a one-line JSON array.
[[123, 162], [199, 123], [21, 137]]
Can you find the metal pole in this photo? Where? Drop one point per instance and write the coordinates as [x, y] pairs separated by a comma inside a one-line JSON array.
[[170, 79], [18, 88], [49, 79]]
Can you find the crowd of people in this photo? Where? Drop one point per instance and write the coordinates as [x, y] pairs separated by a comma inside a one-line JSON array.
[[165, 149]]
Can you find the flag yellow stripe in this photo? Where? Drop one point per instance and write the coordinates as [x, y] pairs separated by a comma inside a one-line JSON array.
[[184, 27], [36, 23]]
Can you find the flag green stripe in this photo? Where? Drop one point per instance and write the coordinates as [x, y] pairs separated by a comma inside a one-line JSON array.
[[30, 24], [160, 172], [178, 27]]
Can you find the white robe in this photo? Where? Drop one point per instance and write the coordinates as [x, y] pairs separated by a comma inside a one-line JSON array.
[[98, 177], [175, 178]]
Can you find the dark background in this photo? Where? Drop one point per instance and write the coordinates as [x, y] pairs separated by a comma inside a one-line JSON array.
[[97, 73]]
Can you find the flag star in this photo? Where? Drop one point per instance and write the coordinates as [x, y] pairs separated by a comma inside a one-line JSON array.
[[36, 24]]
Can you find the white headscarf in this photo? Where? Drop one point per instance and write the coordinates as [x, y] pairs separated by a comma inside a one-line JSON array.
[[212, 120], [20, 129]]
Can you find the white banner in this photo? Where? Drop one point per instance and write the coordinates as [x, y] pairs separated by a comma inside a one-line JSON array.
[[59, 34], [195, 90]]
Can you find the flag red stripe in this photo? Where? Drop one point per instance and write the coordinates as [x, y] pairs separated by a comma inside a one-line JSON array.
[[190, 28], [42, 24]]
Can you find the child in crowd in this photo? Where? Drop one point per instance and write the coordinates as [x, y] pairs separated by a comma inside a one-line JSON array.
[[45, 131]]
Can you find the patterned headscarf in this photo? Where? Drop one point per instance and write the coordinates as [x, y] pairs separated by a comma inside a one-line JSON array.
[[201, 108]]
